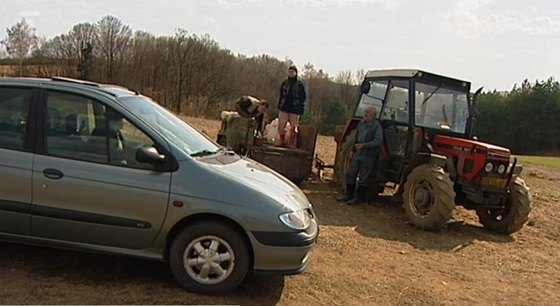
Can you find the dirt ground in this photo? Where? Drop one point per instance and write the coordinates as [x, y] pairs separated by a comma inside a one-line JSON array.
[[366, 255]]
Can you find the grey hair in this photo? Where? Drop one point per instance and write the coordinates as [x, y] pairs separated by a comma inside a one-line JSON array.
[[372, 109]]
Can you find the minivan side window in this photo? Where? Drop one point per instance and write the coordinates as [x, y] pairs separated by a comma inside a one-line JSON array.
[[84, 129], [14, 109]]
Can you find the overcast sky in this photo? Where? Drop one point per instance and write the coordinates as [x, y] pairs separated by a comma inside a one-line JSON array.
[[491, 43]]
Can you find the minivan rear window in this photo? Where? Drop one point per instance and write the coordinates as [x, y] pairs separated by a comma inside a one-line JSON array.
[[14, 109]]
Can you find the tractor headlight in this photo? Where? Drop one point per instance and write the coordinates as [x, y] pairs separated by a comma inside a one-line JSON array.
[[488, 167], [298, 220], [501, 169]]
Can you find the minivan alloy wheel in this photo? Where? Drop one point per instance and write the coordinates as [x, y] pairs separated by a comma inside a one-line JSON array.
[[209, 260], [210, 257]]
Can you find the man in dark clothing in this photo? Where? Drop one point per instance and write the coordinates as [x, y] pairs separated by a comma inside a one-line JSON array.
[[115, 123], [291, 105], [369, 138]]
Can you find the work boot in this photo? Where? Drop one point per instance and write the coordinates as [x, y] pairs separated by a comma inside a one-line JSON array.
[[349, 193], [359, 198]]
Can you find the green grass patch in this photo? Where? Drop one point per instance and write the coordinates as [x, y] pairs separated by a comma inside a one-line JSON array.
[[552, 162]]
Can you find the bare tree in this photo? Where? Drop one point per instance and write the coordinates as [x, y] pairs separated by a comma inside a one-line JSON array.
[[142, 61], [113, 40], [82, 38], [345, 77], [81, 34], [39, 55], [182, 48], [3, 52], [360, 74], [56, 52], [20, 41], [320, 90], [345, 82], [188, 73]]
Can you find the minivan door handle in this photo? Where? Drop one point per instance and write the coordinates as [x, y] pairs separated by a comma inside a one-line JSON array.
[[53, 173]]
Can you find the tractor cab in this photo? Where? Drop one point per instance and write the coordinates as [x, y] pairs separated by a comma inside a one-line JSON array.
[[412, 105], [417, 106], [430, 155]]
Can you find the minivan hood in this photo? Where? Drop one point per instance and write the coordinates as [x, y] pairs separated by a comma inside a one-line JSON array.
[[264, 180]]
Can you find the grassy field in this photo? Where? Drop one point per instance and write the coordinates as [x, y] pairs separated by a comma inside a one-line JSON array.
[[553, 162]]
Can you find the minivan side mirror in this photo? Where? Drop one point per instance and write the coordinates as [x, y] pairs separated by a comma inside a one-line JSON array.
[[149, 155]]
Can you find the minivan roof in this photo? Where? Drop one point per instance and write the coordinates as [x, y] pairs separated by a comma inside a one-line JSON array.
[[114, 90]]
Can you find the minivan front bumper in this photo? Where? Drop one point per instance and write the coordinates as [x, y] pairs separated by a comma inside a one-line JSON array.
[[283, 253]]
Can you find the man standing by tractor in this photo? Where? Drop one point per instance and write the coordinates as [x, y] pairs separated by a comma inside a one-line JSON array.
[[363, 165], [290, 107]]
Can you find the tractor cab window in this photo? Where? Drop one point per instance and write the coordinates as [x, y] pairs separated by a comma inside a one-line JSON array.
[[372, 95], [396, 106], [441, 108]]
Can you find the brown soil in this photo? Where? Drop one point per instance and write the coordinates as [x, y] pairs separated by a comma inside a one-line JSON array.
[[366, 255]]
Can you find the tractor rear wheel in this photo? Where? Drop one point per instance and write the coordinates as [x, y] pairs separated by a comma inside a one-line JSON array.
[[511, 219], [429, 198], [343, 158]]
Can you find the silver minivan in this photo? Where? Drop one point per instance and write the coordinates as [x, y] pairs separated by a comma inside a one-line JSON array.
[[102, 168]]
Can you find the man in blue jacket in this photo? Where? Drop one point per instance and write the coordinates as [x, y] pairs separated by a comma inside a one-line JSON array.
[[363, 165], [291, 105]]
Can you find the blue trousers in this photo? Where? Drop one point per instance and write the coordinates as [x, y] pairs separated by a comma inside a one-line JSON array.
[[363, 165]]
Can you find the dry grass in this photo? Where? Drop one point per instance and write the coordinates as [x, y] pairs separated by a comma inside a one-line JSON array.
[[324, 147], [207, 126]]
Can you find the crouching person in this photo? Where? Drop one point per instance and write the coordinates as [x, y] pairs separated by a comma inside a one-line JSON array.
[[369, 137], [258, 110]]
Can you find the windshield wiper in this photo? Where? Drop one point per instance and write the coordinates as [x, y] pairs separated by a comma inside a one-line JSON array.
[[431, 94], [203, 153], [222, 149]]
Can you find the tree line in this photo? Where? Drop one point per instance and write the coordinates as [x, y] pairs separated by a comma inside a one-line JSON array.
[[525, 119], [192, 75], [187, 73]]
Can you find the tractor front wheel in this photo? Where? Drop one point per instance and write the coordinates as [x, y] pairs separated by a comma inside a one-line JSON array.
[[510, 219], [429, 198]]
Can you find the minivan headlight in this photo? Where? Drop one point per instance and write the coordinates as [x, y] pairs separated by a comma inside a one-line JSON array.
[[298, 220]]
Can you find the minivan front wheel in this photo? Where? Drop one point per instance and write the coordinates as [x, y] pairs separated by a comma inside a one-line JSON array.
[[209, 257]]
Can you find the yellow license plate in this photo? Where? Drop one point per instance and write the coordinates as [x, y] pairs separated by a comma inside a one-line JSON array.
[[493, 182]]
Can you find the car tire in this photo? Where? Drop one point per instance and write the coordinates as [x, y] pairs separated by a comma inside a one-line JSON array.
[[209, 257]]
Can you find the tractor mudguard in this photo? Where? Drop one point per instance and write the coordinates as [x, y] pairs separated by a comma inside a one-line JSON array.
[[427, 158]]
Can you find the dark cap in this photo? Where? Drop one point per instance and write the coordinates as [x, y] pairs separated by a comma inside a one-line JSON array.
[[113, 115]]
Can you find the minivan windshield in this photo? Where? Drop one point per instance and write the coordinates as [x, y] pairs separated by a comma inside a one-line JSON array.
[[177, 131]]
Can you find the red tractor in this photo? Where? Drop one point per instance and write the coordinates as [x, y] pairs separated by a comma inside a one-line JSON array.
[[430, 155]]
